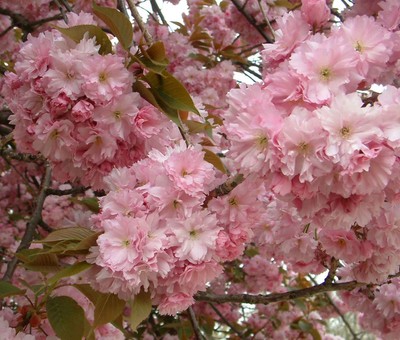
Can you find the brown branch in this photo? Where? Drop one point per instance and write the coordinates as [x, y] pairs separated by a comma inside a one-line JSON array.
[[277, 297], [224, 188], [45, 226], [252, 22], [24, 157], [8, 29], [224, 320], [157, 10], [61, 9], [337, 310], [17, 19], [72, 191], [266, 20], [5, 116], [139, 21], [32, 224], [121, 7], [20, 21], [329, 279], [46, 20], [195, 324]]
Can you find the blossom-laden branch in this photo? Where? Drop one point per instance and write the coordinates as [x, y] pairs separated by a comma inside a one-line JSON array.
[[252, 21], [278, 297], [32, 224]]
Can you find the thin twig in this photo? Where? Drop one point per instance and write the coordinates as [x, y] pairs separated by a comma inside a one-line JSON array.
[[157, 10], [251, 21], [266, 19], [45, 20], [140, 22], [8, 29], [195, 324], [122, 8], [330, 277], [227, 322], [32, 224], [66, 5], [61, 9], [337, 310]]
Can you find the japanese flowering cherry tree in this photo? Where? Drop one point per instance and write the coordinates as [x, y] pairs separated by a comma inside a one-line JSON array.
[[148, 191]]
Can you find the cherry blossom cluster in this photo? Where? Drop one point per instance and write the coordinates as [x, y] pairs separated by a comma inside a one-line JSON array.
[[379, 307], [157, 236], [76, 107], [330, 158]]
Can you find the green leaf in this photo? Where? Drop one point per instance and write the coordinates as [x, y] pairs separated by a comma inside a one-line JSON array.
[[286, 3], [76, 33], [145, 93], [147, 63], [150, 96], [69, 271], [170, 91], [7, 289], [108, 307], [140, 309], [86, 243], [197, 127], [88, 291], [68, 234], [212, 158], [45, 263], [92, 203], [300, 303], [66, 317], [117, 22], [156, 53]]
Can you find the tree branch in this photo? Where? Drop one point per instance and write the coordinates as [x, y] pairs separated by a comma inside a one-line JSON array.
[[24, 157], [72, 191], [216, 310], [32, 224], [224, 188], [277, 297], [251, 21], [139, 21], [158, 12], [20, 21], [195, 324], [337, 310]]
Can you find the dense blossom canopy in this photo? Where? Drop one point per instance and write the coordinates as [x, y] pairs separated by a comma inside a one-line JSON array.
[[214, 178]]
